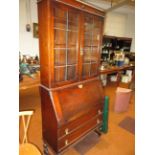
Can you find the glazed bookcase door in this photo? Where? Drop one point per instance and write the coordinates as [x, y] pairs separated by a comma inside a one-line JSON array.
[[66, 34], [92, 34]]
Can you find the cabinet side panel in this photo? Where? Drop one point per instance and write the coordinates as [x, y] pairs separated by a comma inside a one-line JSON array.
[[44, 41], [49, 121]]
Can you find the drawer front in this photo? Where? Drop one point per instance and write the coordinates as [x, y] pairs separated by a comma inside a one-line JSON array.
[[82, 131], [69, 127]]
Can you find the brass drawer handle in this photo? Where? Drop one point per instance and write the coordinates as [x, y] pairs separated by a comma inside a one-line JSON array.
[[66, 131], [99, 112], [98, 121], [66, 142]]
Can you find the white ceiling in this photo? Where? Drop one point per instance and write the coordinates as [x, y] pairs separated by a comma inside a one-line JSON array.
[[106, 5]]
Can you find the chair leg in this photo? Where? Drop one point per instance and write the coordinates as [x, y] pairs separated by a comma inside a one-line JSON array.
[[45, 148]]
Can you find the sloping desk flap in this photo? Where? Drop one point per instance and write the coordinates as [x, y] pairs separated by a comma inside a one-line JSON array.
[[75, 101]]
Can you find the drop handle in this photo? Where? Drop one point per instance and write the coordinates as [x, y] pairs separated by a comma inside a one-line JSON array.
[[98, 121], [80, 86], [66, 142], [66, 131]]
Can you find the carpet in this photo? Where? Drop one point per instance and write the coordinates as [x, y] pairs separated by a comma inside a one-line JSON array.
[[87, 143], [128, 124]]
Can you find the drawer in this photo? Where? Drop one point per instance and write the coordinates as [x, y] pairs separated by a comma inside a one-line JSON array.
[[80, 132], [73, 125]]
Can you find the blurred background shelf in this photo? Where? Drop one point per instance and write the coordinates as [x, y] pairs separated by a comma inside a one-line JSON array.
[[29, 82]]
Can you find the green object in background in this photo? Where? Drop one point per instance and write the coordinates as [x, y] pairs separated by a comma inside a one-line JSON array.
[[104, 127], [25, 70]]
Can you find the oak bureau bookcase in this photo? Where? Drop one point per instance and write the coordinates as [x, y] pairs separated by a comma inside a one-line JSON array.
[[70, 37]]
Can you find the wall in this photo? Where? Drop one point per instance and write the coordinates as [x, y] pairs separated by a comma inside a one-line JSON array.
[[121, 25], [27, 43], [130, 29], [115, 24]]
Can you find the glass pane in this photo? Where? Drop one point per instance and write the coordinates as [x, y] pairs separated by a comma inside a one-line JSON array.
[[72, 38], [72, 26], [87, 35], [66, 44], [97, 23], [73, 20], [72, 56], [59, 23], [96, 38], [73, 16], [94, 69], [60, 37], [96, 32], [58, 12], [88, 23], [92, 37], [86, 70], [59, 74], [71, 72], [60, 56], [94, 54], [88, 29], [87, 55], [87, 40]]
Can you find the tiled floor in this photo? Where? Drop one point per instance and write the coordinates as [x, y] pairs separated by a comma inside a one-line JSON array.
[[117, 141]]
